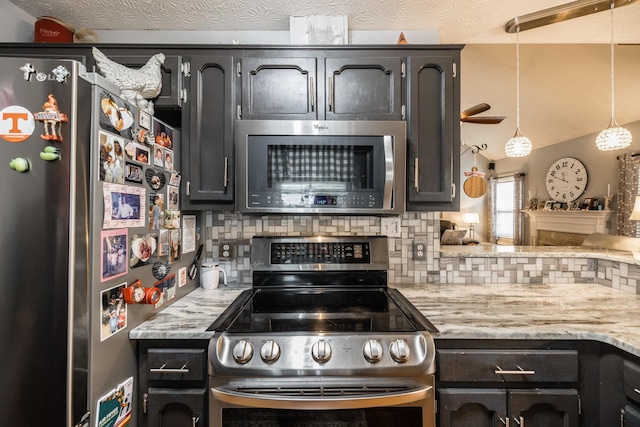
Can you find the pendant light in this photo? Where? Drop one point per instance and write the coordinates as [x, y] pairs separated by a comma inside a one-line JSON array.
[[518, 146], [613, 137]]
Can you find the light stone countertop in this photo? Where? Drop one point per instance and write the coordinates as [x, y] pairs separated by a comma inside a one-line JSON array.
[[460, 311], [189, 317], [499, 251]]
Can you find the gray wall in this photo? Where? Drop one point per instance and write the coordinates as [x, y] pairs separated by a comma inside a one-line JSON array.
[[15, 25], [602, 166], [468, 204]]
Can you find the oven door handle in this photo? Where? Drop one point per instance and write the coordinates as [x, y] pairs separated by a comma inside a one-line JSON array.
[[321, 403]]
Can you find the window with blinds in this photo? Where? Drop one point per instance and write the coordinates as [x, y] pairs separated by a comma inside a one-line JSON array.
[[505, 209]]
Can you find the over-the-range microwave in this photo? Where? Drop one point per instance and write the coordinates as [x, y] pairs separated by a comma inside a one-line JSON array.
[[333, 167]]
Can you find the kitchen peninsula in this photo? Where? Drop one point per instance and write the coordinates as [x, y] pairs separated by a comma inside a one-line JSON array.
[[487, 263]]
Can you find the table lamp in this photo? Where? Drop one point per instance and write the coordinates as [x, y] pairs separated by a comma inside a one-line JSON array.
[[474, 218], [635, 214]]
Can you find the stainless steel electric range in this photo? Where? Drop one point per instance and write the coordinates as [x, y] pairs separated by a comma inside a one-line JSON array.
[[321, 340]]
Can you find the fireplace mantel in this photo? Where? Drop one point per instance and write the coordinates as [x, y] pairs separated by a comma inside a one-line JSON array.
[[578, 222]]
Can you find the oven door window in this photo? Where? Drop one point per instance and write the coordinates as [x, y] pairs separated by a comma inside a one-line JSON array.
[[370, 417]]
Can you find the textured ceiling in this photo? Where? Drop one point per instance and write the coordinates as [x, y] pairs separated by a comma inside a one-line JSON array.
[[565, 81], [458, 21]]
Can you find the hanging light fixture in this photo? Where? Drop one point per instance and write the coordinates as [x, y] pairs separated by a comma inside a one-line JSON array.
[[613, 137], [518, 146]]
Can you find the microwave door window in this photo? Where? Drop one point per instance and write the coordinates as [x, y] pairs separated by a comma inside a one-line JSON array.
[[335, 168], [315, 171]]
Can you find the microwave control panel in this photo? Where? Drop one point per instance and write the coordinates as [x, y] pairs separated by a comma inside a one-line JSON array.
[[354, 200]]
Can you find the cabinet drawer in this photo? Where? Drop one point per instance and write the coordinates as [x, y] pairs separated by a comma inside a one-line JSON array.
[[508, 366], [180, 364], [632, 381]]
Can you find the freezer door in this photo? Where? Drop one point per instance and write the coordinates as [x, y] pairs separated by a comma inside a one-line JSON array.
[[40, 221]]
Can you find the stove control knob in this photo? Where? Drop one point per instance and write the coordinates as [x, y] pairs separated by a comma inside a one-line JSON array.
[[400, 351], [321, 351], [270, 351], [243, 351], [372, 351]]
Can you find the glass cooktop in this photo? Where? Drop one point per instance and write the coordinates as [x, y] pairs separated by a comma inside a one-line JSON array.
[[321, 310]]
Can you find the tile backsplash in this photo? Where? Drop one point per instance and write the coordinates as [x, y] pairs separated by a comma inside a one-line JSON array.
[[238, 229]]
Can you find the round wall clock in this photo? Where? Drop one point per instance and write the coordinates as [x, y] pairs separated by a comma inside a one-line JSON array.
[[566, 179]]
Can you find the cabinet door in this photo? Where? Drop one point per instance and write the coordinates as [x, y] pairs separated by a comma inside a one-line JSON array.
[[177, 408], [279, 88], [208, 151], [472, 407], [433, 134], [171, 93], [631, 375], [363, 89], [544, 407], [630, 417]]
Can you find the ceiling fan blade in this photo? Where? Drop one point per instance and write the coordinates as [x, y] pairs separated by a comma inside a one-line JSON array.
[[485, 120], [477, 109]]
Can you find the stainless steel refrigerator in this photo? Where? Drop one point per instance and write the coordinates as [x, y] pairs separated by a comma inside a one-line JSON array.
[[61, 355]]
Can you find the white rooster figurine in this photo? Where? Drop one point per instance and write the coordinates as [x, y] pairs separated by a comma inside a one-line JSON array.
[[136, 86]]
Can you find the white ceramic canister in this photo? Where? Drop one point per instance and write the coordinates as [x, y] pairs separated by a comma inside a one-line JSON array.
[[210, 276]]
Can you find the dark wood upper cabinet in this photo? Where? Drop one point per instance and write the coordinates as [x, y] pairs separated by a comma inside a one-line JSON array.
[[276, 87], [433, 133], [208, 162], [364, 88]]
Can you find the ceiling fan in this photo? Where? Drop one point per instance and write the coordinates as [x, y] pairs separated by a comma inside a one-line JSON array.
[[467, 115]]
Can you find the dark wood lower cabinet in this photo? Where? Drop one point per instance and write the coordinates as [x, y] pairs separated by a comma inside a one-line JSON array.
[[172, 384], [479, 383], [472, 407], [492, 407], [544, 407], [177, 408]]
